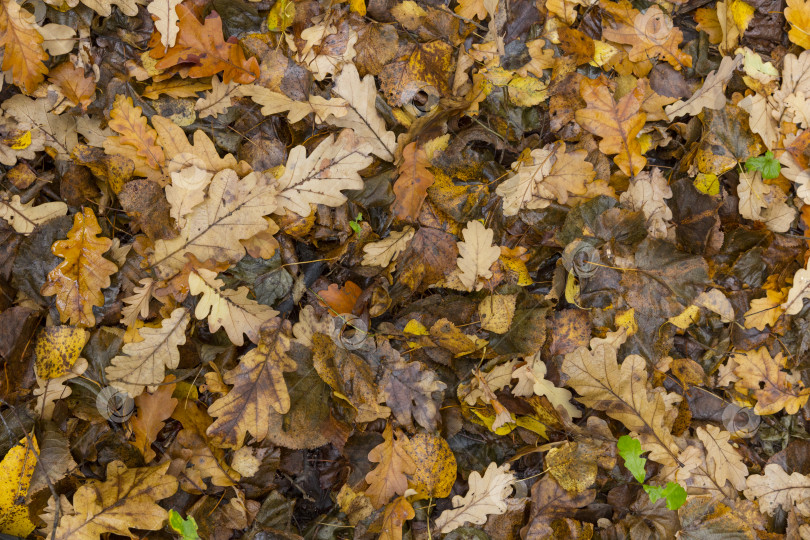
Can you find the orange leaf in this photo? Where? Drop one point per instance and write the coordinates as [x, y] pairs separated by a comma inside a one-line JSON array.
[[23, 53], [413, 182], [128, 121], [77, 281], [389, 477], [617, 123], [74, 85], [396, 514], [153, 409], [203, 46], [341, 300]]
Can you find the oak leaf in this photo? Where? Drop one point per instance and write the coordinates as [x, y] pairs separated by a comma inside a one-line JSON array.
[[233, 211], [767, 310], [711, 95], [532, 381], [258, 384], [77, 281], [797, 14], [396, 514], [80, 90], [476, 255], [390, 476], [23, 54], [776, 489], [382, 252], [320, 177], [186, 191], [276, 102], [203, 46], [618, 124], [361, 115], [218, 99], [754, 195], [652, 34], [227, 308], [412, 183], [166, 19], [153, 410], [138, 302], [26, 217], [724, 463], [127, 498], [130, 124], [647, 193], [486, 496], [773, 389], [549, 176], [49, 390], [143, 363], [340, 299]]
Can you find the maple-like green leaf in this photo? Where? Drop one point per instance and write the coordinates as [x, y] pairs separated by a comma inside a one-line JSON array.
[[672, 492], [630, 450], [186, 528], [767, 165]]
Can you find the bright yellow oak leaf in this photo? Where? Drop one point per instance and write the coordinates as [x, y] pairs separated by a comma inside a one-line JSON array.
[[16, 471], [78, 280]]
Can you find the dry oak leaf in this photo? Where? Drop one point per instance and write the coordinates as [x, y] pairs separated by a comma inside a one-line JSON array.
[[797, 14], [396, 514], [23, 54], [174, 142], [773, 388], [77, 281], [138, 302], [143, 363], [226, 308], [49, 390], [381, 253], [128, 498], [276, 102], [390, 476], [767, 310], [547, 177], [754, 195], [176, 88], [320, 177], [80, 90], [165, 15], [361, 114], [351, 377], [532, 381], [25, 217], [723, 460], [233, 211], [711, 95], [153, 410], [218, 99], [621, 391], [130, 124], [409, 388], [652, 34], [202, 46], [798, 292], [486, 496], [476, 255], [186, 191], [618, 124], [776, 488], [258, 384], [412, 183], [647, 193]]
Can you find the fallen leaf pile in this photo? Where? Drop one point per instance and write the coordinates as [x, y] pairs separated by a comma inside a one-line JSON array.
[[405, 269]]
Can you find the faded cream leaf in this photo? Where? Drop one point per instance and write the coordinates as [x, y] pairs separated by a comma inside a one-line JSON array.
[[486, 496], [276, 102], [723, 460], [186, 191], [532, 381], [226, 308], [218, 99], [138, 302], [381, 253], [25, 217], [776, 489], [647, 193], [48, 391], [143, 364], [711, 95], [476, 255], [166, 20], [797, 293]]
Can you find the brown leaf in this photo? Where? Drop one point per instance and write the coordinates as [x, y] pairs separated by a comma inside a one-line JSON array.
[[77, 281], [127, 121], [74, 85], [23, 53], [153, 410], [146, 203], [340, 299], [389, 477], [396, 514], [411, 186], [773, 388]]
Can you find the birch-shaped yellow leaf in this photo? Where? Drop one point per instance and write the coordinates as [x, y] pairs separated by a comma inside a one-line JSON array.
[[16, 471]]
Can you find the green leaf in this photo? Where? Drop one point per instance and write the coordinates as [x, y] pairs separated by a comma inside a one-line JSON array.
[[187, 528], [767, 165], [630, 450], [672, 492], [355, 225]]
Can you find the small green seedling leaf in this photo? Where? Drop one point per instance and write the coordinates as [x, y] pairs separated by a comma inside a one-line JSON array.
[[767, 165], [187, 528], [355, 225], [672, 492], [630, 450]]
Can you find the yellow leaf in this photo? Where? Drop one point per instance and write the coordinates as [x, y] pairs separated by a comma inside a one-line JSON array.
[[22, 142], [281, 16], [435, 471], [797, 14], [496, 312], [16, 471], [358, 6], [707, 183], [57, 350], [627, 319], [689, 316]]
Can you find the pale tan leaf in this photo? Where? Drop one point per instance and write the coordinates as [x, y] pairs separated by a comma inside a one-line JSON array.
[[186, 191], [766, 311], [476, 255], [773, 388], [25, 217], [226, 308], [754, 195], [276, 102], [723, 460], [166, 20], [48, 391], [362, 115], [714, 300], [138, 302], [218, 99], [320, 177], [532, 381], [797, 293], [381, 253], [711, 95], [143, 364], [486, 496], [647, 193], [776, 489]]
